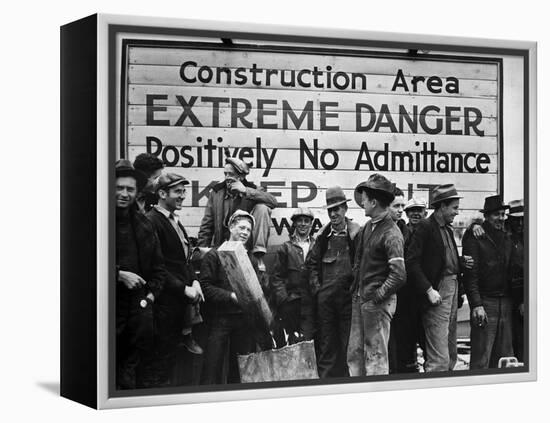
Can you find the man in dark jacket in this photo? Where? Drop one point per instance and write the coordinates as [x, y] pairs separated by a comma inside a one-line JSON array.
[[140, 278], [330, 263], [231, 330], [406, 329], [290, 281], [236, 193], [434, 267], [379, 272], [515, 227], [488, 286], [179, 300], [151, 166]]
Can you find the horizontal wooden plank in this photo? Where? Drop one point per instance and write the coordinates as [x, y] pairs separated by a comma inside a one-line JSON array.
[[339, 121], [309, 195], [288, 60], [290, 139], [298, 99], [279, 234], [295, 160], [193, 215], [366, 83], [348, 179]]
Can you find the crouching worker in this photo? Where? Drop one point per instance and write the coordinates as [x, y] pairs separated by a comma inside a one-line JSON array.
[[290, 282], [231, 330]]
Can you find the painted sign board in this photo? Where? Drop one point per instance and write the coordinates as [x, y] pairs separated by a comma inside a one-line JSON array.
[[309, 119]]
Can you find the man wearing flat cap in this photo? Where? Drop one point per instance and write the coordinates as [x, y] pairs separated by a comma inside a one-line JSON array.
[[330, 263], [236, 193], [177, 308], [379, 272], [434, 268], [290, 280], [140, 276], [488, 287], [415, 209]]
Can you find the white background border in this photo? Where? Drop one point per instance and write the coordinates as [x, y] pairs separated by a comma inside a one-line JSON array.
[[30, 305]]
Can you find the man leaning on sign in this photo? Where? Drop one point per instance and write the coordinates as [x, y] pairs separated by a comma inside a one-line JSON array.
[[236, 193]]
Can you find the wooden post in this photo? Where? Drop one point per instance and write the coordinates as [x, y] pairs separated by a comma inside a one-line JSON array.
[[243, 280]]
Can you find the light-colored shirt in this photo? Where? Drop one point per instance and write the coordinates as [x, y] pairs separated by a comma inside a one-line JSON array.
[[173, 219], [452, 266]]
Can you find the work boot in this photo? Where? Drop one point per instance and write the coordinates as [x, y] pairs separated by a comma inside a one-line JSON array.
[[190, 345]]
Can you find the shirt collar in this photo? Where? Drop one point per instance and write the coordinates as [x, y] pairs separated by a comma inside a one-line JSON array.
[[379, 218], [335, 232], [162, 210], [294, 239], [440, 221]]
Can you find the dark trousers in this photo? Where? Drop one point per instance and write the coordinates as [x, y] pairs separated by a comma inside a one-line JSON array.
[[134, 342], [168, 326], [405, 334], [229, 335], [518, 328], [493, 340], [334, 320]]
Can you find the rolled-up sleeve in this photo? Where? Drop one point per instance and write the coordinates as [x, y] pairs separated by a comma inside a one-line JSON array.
[[397, 275]]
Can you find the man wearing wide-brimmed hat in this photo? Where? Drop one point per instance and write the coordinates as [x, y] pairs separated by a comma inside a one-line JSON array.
[[177, 308], [236, 193], [434, 268], [488, 286], [140, 279], [290, 281], [330, 263], [379, 272]]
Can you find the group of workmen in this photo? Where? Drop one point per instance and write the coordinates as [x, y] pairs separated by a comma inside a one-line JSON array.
[[370, 297]]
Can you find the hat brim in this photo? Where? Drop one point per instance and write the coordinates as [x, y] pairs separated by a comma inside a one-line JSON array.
[[173, 184], [416, 206], [141, 179], [516, 214], [452, 197], [357, 194], [339, 203], [296, 216], [495, 209]]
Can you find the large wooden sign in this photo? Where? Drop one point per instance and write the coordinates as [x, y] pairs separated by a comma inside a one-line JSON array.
[[306, 120]]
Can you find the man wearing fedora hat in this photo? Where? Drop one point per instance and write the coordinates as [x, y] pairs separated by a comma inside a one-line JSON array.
[[290, 280], [140, 276], [379, 272], [488, 287], [177, 308], [236, 193], [330, 263], [434, 268]]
